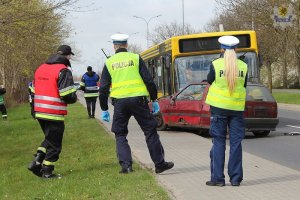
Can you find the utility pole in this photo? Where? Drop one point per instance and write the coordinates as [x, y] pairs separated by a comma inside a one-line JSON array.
[[183, 17]]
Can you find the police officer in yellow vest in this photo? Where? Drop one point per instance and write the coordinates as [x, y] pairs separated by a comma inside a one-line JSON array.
[[226, 97], [131, 84]]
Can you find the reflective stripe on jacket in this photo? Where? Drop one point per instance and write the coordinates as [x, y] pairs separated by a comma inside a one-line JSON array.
[[218, 94], [47, 102], [91, 91], [123, 68]]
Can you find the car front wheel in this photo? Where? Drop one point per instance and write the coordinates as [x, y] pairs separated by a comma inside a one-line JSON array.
[[261, 133], [161, 126]]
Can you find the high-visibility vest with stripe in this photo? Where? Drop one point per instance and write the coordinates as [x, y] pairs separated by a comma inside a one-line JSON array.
[[123, 68], [218, 94], [47, 101]]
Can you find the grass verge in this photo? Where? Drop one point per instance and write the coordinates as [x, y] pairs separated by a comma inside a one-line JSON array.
[[88, 162], [285, 97]]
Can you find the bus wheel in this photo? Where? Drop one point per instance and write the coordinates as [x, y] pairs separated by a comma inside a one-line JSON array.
[[161, 126], [260, 133]]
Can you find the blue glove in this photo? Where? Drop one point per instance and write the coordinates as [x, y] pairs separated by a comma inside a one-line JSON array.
[[155, 107], [105, 116]]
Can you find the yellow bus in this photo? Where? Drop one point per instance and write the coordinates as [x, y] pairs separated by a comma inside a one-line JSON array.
[[186, 59]]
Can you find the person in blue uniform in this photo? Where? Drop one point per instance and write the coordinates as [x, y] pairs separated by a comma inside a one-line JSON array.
[[131, 84], [226, 97], [89, 84]]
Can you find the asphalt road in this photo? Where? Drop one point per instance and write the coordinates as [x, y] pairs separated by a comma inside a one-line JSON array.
[[280, 146]]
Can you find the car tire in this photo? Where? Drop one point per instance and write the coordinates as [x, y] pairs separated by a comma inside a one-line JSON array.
[[261, 133], [204, 132], [161, 126]]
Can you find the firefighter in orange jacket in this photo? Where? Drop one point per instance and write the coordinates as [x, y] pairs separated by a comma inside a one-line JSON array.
[[54, 89]]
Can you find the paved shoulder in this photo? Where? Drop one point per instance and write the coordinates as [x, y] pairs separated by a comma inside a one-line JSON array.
[[263, 179]]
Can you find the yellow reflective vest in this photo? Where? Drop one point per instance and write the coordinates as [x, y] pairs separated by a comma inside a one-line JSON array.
[[126, 80], [218, 94]]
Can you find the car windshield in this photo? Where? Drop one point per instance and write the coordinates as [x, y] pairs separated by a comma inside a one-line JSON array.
[[192, 92], [194, 69], [258, 93]]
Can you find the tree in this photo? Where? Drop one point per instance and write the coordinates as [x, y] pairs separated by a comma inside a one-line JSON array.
[[134, 48], [30, 30], [166, 31], [276, 46]]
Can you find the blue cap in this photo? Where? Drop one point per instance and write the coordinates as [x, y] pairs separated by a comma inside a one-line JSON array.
[[119, 38], [228, 42]]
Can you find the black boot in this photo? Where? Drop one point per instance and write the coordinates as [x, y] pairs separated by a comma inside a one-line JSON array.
[[36, 165], [126, 170], [47, 171], [163, 167]]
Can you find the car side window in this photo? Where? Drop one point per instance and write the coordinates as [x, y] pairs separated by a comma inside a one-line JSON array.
[[192, 92]]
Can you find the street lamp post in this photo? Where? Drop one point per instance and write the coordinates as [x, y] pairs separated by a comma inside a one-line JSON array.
[[182, 17], [147, 23]]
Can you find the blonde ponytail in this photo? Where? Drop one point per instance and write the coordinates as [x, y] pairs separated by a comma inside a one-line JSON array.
[[231, 69]]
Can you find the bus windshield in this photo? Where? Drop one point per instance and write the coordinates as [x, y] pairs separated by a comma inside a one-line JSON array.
[[194, 69]]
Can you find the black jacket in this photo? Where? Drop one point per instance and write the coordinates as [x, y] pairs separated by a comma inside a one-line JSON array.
[[105, 82]]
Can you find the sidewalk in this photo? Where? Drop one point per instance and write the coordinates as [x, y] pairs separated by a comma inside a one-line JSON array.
[[263, 179]]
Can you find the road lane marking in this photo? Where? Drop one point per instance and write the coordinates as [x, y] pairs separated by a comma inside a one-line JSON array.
[[293, 126]]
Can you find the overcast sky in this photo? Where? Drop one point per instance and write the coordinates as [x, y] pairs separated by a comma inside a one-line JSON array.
[[92, 30]]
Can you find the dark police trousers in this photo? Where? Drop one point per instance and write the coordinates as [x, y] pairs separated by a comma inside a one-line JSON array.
[[218, 130], [53, 131], [91, 105], [137, 107]]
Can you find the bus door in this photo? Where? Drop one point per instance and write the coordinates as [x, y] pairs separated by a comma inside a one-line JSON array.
[[186, 107], [152, 69], [159, 76], [166, 69]]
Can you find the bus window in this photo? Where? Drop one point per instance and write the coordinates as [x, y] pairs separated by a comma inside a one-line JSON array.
[[151, 68], [159, 75], [192, 69], [252, 62]]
